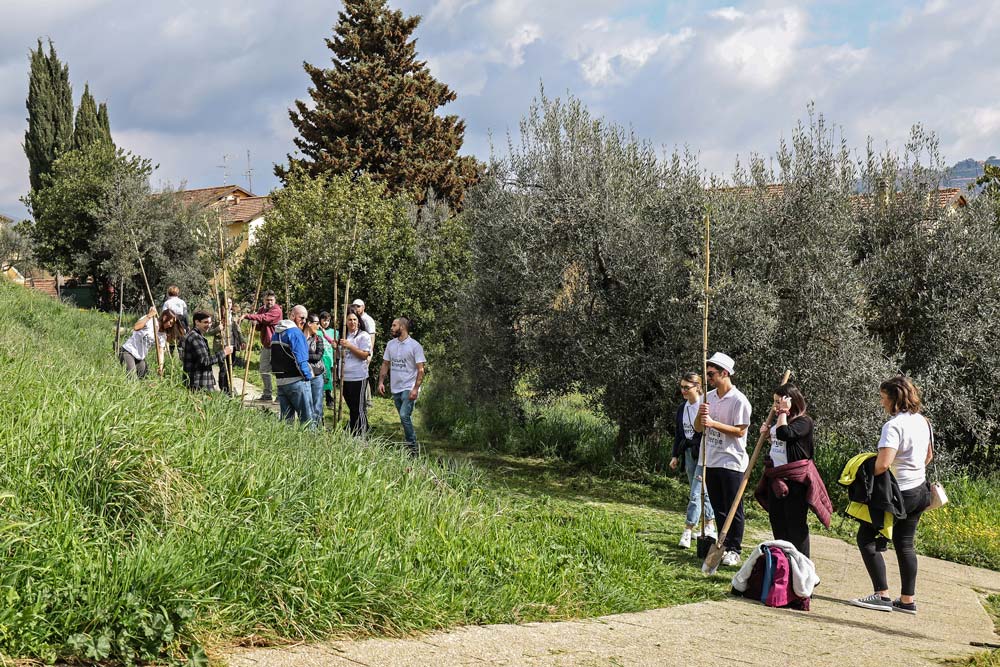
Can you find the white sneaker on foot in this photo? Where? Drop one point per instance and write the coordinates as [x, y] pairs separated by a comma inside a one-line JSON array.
[[685, 542], [731, 559], [710, 530]]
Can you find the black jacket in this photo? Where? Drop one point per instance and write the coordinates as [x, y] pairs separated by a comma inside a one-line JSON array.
[[681, 442], [880, 492]]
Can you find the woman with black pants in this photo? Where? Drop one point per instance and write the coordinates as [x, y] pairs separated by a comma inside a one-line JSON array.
[[905, 448], [791, 442], [356, 350]]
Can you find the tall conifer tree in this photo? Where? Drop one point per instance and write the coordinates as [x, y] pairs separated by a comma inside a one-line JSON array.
[[50, 113], [105, 123], [88, 127], [375, 110]]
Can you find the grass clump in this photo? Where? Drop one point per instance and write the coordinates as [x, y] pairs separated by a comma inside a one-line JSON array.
[[142, 522]]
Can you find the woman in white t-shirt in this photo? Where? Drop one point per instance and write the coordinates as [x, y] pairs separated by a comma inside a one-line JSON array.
[[134, 351], [356, 348], [904, 448], [687, 449]]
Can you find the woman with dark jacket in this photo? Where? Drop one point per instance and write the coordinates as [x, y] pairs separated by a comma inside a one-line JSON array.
[[791, 484], [687, 447]]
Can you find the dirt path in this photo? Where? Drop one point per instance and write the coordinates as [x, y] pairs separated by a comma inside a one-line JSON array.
[[733, 631]]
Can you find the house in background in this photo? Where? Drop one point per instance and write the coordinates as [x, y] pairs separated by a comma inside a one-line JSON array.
[[241, 211]]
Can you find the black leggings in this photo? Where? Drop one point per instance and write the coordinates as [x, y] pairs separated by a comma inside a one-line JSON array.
[[915, 501], [789, 516], [354, 394], [722, 487]]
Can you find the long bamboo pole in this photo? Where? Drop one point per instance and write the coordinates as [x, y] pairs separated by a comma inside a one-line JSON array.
[[343, 331], [121, 314], [225, 325], [704, 362], [149, 294], [335, 371], [253, 327]]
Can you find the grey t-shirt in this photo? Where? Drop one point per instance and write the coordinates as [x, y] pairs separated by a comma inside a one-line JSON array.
[[403, 357], [724, 450]]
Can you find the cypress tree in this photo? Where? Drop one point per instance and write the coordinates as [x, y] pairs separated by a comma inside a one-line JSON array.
[[50, 113], [105, 123], [374, 110], [88, 126]]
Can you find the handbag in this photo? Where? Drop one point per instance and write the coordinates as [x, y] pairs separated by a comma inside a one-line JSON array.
[[939, 497]]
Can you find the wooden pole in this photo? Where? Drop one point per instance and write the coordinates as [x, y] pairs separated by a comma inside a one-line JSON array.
[[343, 331], [704, 363], [224, 312], [149, 293], [121, 314], [253, 327], [335, 371]]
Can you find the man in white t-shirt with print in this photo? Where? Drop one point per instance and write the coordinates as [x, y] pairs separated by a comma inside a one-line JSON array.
[[724, 419], [368, 325], [404, 361]]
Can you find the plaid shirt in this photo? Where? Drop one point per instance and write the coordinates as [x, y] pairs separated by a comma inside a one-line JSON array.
[[198, 362]]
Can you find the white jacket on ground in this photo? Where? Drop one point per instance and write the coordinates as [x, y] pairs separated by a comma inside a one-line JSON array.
[[804, 577]]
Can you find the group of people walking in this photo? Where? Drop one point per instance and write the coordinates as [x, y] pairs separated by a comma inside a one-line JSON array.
[[711, 443], [303, 358]]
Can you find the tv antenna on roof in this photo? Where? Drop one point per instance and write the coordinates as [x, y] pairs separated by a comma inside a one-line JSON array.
[[249, 173], [225, 168]]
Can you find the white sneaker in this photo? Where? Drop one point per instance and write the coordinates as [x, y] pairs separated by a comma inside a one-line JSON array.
[[685, 542], [731, 559], [710, 530]]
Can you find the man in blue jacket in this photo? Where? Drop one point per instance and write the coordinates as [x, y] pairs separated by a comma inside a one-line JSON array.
[[290, 364]]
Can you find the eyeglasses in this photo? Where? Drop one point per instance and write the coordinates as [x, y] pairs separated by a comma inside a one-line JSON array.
[[313, 321], [685, 387]]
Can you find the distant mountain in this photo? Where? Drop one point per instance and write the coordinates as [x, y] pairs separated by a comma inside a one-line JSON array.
[[964, 173]]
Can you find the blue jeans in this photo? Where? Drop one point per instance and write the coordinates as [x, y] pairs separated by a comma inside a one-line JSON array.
[[405, 408], [316, 399], [691, 465], [295, 399]]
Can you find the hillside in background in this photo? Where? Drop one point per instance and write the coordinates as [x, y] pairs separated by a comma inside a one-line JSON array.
[[963, 174]]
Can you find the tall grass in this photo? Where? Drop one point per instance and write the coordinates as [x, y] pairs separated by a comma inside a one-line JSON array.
[[141, 521]]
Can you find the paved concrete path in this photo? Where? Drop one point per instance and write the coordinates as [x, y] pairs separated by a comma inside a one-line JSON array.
[[734, 631]]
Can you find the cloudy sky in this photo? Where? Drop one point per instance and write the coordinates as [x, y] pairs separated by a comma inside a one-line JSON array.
[[190, 81]]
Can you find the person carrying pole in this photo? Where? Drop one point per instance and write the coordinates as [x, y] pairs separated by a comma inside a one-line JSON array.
[[723, 419], [266, 319]]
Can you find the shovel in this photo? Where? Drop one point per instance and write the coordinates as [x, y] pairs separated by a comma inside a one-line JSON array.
[[716, 551]]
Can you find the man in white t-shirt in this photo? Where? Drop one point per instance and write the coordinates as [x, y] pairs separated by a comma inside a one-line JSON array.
[[368, 325], [724, 419], [404, 362]]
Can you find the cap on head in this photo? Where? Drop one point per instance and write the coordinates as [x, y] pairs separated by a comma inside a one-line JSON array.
[[358, 302], [723, 361]]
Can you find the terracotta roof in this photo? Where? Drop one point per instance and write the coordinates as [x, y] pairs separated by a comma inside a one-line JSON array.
[[246, 210], [205, 197]]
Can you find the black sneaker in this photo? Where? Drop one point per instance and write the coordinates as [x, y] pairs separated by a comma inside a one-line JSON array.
[[266, 398], [873, 601], [905, 607]]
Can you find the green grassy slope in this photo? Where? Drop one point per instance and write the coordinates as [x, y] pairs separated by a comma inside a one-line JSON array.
[[141, 521]]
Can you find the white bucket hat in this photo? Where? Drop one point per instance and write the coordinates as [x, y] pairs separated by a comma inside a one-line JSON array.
[[723, 361]]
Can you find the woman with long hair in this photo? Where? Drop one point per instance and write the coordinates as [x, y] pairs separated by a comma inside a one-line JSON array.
[[135, 350], [904, 449], [356, 347], [791, 483], [330, 337], [687, 448]]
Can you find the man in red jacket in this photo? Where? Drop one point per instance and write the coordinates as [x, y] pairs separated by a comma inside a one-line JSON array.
[[266, 318]]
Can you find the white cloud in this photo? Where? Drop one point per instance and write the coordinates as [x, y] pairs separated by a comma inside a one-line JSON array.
[[727, 14], [526, 35], [763, 51]]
